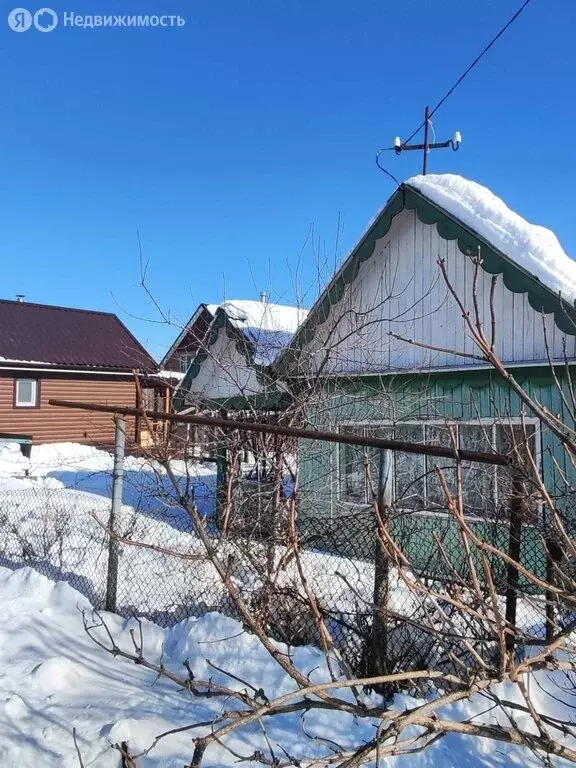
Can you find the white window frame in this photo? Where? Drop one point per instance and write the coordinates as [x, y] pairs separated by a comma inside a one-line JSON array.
[[485, 421], [18, 402], [188, 357]]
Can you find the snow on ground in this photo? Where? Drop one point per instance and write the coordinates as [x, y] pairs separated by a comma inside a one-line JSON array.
[[49, 511], [535, 248], [86, 468], [53, 679]]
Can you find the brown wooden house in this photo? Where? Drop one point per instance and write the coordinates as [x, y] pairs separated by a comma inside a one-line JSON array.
[[71, 354]]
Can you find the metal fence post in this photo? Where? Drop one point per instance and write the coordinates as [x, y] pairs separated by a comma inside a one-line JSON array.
[[222, 470], [379, 649], [553, 557], [514, 551], [115, 510]]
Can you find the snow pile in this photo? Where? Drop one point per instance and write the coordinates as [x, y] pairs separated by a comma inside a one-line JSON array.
[[12, 462], [535, 248], [55, 679], [51, 458]]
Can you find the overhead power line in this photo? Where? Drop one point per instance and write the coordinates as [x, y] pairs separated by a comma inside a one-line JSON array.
[[470, 68]]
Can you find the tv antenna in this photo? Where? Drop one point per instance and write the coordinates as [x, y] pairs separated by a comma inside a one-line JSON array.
[[427, 146]]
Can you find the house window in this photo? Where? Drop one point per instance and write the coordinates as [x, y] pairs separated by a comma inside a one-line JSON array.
[[486, 488], [26, 393], [185, 362]]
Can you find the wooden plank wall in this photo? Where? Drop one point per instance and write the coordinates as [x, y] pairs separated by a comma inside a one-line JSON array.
[[48, 424], [400, 291]]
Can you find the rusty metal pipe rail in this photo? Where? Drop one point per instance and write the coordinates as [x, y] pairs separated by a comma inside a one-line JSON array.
[[228, 425]]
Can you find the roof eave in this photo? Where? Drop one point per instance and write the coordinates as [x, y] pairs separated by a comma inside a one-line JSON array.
[[15, 365]]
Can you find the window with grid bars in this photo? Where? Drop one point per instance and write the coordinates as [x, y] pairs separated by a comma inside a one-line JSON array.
[[185, 362], [486, 489]]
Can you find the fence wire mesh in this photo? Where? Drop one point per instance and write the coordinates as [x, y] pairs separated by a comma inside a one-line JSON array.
[[283, 542]]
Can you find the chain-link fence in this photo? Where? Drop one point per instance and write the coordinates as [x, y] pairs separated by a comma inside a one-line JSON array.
[[55, 517], [301, 539]]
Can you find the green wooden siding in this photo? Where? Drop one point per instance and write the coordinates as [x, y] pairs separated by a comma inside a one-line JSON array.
[[462, 396]]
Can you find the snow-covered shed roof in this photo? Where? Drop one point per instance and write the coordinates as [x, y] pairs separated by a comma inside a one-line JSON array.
[[261, 314], [268, 327], [261, 331], [271, 325], [535, 248]]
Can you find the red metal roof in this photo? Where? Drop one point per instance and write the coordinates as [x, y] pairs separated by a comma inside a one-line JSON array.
[[62, 336]]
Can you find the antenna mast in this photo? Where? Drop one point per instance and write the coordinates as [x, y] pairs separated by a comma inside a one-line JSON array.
[[453, 143]]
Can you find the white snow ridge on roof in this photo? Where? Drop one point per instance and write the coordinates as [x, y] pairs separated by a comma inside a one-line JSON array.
[[535, 248], [261, 314], [269, 327]]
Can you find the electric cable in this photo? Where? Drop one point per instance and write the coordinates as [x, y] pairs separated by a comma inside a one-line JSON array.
[[470, 68], [380, 151]]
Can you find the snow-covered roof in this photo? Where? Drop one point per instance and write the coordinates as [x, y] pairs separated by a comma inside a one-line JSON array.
[[265, 315], [269, 327], [267, 344], [535, 248]]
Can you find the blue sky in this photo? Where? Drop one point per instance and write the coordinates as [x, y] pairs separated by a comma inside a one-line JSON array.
[[223, 141]]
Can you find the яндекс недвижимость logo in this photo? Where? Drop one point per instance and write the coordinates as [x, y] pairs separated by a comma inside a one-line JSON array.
[[21, 20], [46, 19]]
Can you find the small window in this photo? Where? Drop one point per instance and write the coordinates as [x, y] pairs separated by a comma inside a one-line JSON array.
[[26, 395], [185, 362]]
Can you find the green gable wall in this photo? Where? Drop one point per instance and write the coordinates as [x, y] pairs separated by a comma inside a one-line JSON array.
[[464, 395]]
